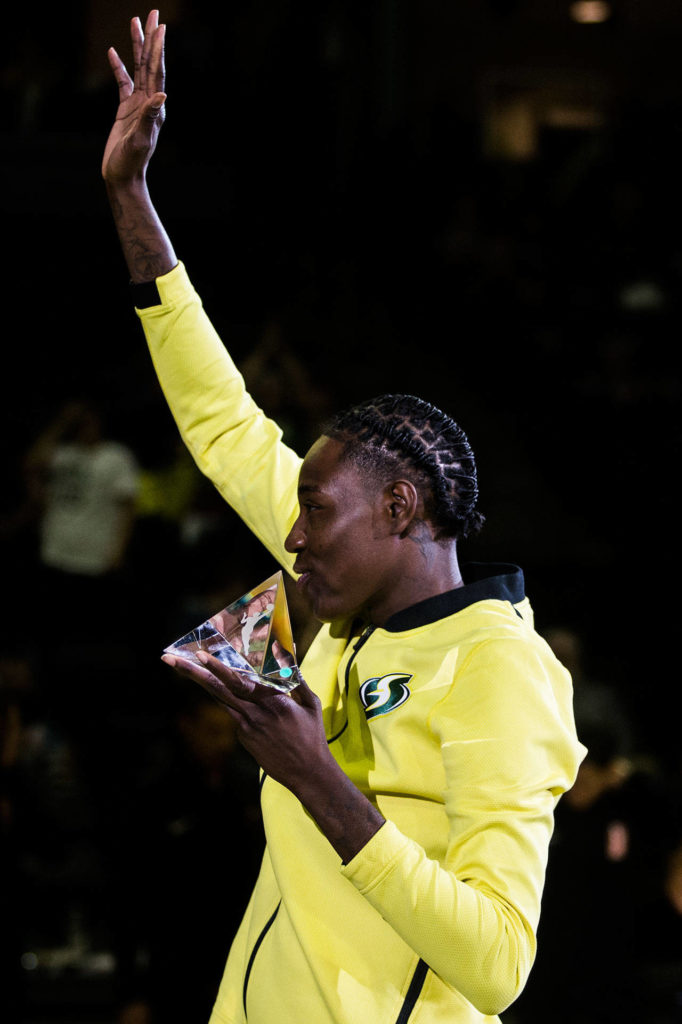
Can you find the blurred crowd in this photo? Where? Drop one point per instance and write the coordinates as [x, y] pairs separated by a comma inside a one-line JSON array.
[[537, 303], [129, 813]]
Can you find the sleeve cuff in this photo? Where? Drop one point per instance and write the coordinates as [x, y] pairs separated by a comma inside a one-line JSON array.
[[377, 858], [162, 291]]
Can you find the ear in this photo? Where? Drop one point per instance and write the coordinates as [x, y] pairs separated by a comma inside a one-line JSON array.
[[402, 505]]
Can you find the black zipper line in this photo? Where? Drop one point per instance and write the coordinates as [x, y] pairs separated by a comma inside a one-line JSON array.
[[360, 642], [422, 968], [362, 639], [255, 949], [413, 992]]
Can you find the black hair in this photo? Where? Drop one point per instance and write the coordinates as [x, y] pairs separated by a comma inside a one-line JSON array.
[[406, 434]]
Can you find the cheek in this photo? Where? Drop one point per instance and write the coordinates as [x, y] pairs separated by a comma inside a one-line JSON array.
[[350, 559]]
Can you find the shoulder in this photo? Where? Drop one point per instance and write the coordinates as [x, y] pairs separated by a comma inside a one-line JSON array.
[[503, 665]]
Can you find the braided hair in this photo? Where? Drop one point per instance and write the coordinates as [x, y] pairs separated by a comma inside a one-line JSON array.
[[406, 434]]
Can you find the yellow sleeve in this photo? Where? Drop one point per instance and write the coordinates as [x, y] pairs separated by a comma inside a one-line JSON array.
[[231, 440], [509, 750]]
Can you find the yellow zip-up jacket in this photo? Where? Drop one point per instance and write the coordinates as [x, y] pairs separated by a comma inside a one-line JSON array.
[[455, 719]]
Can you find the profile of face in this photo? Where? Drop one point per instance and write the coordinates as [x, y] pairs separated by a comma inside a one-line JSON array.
[[345, 550]]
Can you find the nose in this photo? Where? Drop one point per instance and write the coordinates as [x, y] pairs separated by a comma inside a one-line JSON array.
[[295, 540]]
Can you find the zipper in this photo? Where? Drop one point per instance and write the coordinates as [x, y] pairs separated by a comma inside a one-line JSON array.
[[413, 992], [254, 951], [360, 642]]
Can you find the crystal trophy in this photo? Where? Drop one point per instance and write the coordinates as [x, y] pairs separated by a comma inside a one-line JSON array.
[[252, 636]]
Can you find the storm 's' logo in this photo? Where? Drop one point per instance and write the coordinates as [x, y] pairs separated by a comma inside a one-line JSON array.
[[382, 694]]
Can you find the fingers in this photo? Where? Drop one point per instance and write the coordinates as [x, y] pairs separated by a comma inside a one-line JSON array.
[[147, 41], [305, 696], [245, 690], [242, 687], [207, 680], [123, 79], [250, 703], [188, 669], [137, 39], [153, 110], [148, 53], [220, 679], [283, 658], [157, 70], [152, 23]]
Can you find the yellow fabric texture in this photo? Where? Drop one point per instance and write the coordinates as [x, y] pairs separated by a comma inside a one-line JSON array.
[[466, 771]]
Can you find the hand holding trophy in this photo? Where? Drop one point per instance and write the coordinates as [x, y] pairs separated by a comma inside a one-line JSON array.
[[251, 636]]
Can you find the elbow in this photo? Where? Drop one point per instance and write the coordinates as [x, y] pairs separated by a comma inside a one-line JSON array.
[[503, 972], [495, 1000], [491, 996]]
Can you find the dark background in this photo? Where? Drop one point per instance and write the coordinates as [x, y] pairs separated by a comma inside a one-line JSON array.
[[346, 169], [474, 201]]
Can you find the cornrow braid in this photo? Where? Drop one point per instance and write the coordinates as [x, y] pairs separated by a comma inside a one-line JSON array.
[[401, 432]]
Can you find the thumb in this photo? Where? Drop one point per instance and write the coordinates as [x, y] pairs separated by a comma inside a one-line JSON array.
[[149, 121], [154, 105], [305, 695]]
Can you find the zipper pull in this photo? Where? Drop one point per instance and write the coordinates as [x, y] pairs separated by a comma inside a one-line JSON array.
[[363, 638]]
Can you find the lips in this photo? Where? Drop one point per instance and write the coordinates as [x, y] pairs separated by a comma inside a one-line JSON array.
[[303, 573], [302, 579]]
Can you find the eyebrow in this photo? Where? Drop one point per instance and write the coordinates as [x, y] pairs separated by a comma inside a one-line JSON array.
[[308, 488]]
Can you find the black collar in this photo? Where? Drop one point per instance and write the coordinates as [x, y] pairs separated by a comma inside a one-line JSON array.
[[482, 581]]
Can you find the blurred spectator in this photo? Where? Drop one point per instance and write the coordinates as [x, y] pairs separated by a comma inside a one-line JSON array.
[[52, 868], [605, 888], [85, 485], [169, 484], [82, 486], [12, 685], [184, 886], [593, 699], [280, 383]]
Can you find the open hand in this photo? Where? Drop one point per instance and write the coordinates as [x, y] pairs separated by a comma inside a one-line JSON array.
[[140, 114], [284, 732]]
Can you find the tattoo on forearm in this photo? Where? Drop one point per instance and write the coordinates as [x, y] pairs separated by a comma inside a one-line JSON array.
[[145, 246]]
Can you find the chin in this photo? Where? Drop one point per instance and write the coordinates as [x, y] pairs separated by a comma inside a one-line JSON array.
[[326, 609], [323, 613], [329, 606]]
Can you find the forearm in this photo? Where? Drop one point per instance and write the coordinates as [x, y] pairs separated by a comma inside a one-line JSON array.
[[474, 939], [342, 813], [440, 916], [146, 247]]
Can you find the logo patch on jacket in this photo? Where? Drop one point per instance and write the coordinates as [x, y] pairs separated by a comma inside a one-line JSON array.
[[382, 694]]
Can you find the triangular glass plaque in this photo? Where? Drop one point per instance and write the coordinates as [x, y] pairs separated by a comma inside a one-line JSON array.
[[252, 636]]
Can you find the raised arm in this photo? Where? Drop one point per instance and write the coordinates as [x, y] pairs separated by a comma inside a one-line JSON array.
[[146, 247], [232, 441]]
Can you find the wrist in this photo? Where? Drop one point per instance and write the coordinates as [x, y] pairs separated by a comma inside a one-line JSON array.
[[319, 775], [134, 187], [341, 811]]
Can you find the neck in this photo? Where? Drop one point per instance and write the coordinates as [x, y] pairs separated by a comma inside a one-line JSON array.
[[431, 568]]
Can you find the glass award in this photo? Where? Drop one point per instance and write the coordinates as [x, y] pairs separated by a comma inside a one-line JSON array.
[[252, 636]]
